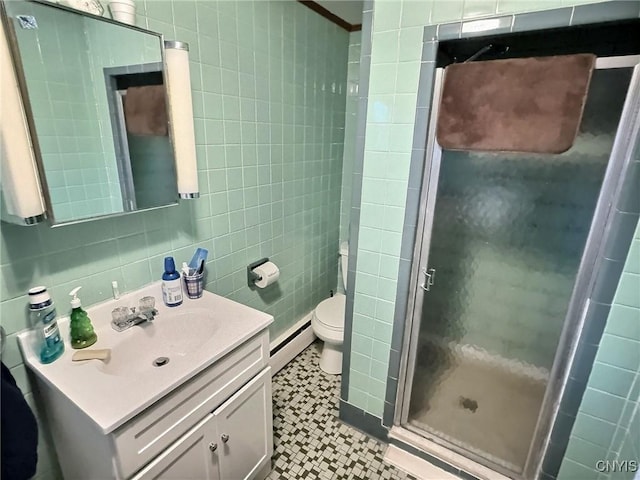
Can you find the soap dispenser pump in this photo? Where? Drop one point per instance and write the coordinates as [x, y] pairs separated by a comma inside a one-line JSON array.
[[82, 333]]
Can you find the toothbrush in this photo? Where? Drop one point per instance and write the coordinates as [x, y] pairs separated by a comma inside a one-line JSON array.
[[185, 269], [200, 268]]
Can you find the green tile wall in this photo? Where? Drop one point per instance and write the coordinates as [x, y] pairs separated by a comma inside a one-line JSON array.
[[395, 65], [111, 46], [65, 113], [351, 111], [353, 74], [607, 426], [269, 82]]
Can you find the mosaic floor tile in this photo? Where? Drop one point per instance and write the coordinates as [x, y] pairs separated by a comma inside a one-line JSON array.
[[309, 440]]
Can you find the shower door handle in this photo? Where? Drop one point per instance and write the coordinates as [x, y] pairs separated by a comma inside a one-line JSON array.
[[429, 278]]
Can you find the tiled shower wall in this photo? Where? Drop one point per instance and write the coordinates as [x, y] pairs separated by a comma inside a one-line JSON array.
[[607, 426], [395, 64], [269, 84]]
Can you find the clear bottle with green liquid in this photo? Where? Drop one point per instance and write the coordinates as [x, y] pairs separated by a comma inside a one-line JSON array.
[[42, 313]]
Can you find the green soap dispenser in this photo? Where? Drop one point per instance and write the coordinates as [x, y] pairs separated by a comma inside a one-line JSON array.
[[82, 333]]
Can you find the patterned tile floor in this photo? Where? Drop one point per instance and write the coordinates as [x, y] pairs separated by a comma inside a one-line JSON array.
[[309, 441]]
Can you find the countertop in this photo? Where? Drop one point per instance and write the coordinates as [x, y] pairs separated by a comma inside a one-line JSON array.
[[111, 400]]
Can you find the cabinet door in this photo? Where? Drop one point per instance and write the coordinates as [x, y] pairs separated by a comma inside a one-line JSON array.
[[245, 429], [192, 457]]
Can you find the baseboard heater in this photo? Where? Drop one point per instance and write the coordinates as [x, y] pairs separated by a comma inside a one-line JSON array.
[[290, 344]]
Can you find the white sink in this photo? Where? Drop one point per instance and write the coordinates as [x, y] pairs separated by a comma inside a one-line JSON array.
[[191, 336], [182, 333]]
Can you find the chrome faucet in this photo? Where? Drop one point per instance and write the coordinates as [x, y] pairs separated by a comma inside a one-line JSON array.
[[123, 318], [143, 316]]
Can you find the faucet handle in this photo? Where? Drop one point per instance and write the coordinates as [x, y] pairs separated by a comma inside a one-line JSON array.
[[120, 318], [120, 314], [147, 303]]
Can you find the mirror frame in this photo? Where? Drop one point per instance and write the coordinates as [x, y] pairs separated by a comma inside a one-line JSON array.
[[24, 93]]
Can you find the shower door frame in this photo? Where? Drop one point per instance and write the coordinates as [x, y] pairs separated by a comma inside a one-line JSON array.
[[583, 284]]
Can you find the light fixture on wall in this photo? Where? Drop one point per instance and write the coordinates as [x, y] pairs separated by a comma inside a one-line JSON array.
[[23, 202], [181, 114]]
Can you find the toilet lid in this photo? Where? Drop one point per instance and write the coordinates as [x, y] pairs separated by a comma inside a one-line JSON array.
[[330, 312]]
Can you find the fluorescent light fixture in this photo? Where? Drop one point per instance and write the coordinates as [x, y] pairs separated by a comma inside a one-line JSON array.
[[181, 115], [23, 202], [484, 25]]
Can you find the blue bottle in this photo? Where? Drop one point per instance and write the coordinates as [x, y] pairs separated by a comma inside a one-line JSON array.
[[171, 284], [43, 318]]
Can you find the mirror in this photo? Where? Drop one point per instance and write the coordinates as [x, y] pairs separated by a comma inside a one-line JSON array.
[[95, 99]]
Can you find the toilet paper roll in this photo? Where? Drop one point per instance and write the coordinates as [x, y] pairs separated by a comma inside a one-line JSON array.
[[268, 272]]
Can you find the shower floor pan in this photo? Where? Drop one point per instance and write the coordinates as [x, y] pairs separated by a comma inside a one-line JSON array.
[[486, 409]]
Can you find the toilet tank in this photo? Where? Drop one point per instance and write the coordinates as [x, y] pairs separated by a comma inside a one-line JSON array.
[[344, 262]]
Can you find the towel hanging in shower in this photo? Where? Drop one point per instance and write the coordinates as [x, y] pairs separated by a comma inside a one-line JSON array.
[[516, 105], [145, 111]]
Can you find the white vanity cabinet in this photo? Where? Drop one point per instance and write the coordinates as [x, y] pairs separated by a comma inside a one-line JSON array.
[[216, 425], [233, 442], [203, 412]]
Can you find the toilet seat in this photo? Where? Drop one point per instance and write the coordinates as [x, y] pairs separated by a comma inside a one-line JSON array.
[[330, 313]]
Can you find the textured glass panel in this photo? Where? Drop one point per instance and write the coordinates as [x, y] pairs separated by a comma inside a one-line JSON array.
[[508, 233]]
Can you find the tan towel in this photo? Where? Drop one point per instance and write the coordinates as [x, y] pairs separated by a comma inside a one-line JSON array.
[[516, 105], [145, 111]]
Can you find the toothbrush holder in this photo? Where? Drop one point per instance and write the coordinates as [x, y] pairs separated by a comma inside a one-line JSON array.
[[194, 285]]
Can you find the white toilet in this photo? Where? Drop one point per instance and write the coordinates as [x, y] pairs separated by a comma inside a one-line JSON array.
[[328, 322]]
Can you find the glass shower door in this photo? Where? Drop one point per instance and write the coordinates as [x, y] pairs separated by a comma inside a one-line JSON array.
[[504, 240]]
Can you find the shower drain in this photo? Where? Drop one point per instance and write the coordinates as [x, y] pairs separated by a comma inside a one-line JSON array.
[[160, 361], [469, 404]]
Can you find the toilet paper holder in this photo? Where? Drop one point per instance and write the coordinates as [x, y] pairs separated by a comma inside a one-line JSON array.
[[252, 276]]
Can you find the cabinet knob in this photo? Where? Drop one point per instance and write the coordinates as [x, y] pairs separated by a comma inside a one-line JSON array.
[[213, 446], [224, 437]]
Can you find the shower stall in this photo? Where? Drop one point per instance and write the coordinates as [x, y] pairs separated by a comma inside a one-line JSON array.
[[500, 247]]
